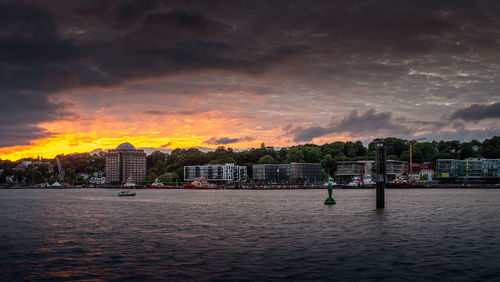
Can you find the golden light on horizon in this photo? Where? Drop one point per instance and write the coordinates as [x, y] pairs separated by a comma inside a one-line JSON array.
[[87, 136]]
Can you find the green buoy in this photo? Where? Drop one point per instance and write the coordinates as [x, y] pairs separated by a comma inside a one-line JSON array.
[[329, 200]]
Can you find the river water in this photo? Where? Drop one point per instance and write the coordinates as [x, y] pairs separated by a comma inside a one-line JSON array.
[[92, 234]]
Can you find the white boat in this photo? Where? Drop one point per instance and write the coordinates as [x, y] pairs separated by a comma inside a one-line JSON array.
[[128, 185], [358, 181], [355, 181], [367, 180], [126, 193], [330, 180]]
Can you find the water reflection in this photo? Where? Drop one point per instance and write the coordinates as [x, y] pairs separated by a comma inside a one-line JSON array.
[[259, 235]]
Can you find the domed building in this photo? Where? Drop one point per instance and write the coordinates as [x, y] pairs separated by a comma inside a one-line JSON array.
[[125, 162]]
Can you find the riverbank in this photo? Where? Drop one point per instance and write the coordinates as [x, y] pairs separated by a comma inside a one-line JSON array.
[[343, 187]]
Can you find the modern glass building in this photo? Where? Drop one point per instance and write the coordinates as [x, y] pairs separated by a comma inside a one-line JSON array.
[[470, 170], [227, 173], [288, 173], [306, 172], [271, 173], [491, 168], [348, 170]]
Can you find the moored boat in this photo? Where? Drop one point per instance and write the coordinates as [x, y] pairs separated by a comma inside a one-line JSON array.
[[129, 184], [126, 193], [159, 185], [201, 183]]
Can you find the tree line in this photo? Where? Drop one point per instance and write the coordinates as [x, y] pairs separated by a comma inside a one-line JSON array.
[[169, 167]]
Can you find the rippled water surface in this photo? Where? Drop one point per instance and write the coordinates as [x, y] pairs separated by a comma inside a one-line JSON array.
[[92, 234]]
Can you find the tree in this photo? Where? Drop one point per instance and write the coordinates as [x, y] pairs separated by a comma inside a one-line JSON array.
[[169, 177], [267, 160], [405, 156], [360, 149], [350, 149], [491, 148], [417, 156], [329, 164], [466, 151], [295, 155], [311, 154], [150, 178]]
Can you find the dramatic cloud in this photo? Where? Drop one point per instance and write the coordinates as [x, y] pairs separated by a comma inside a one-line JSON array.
[[370, 123], [227, 140], [477, 112], [254, 66]]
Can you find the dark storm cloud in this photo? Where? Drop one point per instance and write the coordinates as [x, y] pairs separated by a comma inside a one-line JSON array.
[[227, 140], [477, 112], [17, 127], [50, 46], [370, 123], [175, 112]]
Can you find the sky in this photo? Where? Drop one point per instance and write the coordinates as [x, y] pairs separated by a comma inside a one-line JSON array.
[[81, 76]]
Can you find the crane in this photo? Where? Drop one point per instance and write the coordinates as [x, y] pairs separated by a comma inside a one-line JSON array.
[[61, 170], [411, 142]]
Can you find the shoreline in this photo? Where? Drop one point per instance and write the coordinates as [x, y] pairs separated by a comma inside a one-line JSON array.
[[340, 187]]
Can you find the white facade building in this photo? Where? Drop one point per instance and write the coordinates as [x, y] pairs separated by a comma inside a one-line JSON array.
[[428, 172], [227, 173], [95, 180]]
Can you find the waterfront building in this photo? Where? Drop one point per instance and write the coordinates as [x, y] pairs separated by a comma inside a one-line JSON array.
[[125, 162], [426, 174], [348, 170], [227, 173], [271, 173], [287, 173], [469, 170], [491, 168], [97, 180], [395, 168], [23, 165], [305, 172]]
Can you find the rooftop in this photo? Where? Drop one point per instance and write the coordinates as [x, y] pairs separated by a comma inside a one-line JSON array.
[[125, 146]]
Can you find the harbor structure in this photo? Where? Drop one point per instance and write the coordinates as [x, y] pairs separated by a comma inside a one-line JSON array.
[[470, 170], [380, 171], [125, 163], [218, 173], [287, 173], [395, 168], [306, 172], [271, 173], [348, 170]]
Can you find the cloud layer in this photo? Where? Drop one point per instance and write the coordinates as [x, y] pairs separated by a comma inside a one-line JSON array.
[[478, 112], [371, 68]]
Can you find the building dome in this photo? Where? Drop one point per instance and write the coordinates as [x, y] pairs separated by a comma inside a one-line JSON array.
[[125, 146]]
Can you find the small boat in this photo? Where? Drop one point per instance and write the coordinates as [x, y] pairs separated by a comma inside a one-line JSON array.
[[400, 179], [129, 184], [159, 185], [367, 180], [356, 181], [201, 183], [126, 193], [330, 180]]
